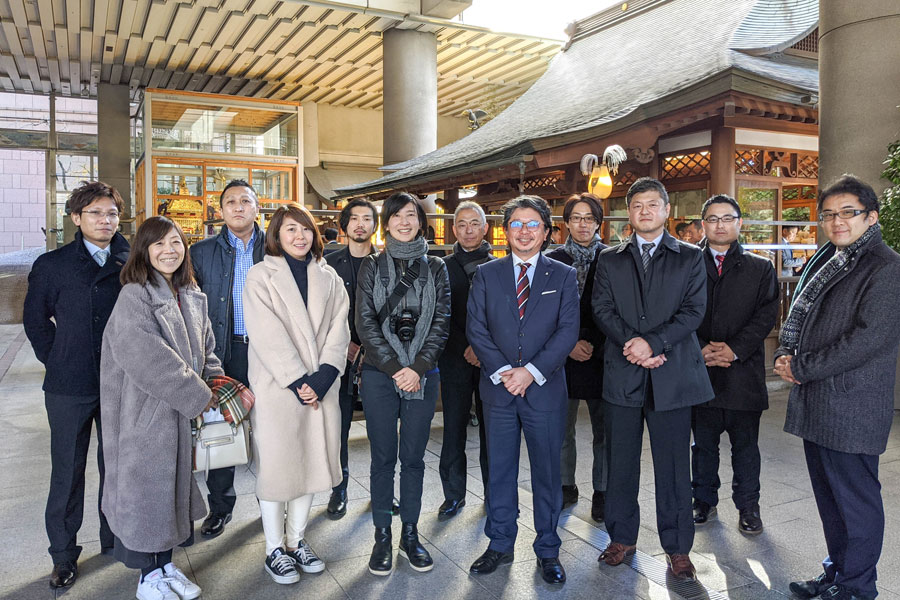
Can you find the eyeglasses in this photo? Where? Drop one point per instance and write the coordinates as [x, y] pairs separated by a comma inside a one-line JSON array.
[[99, 214], [844, 213], [588, 220], [532, 225], [726, 219]]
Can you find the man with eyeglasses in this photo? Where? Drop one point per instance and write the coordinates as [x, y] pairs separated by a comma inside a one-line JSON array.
[[523, 323], [71, 293], [839, 347], [649, 298], [742, 303]]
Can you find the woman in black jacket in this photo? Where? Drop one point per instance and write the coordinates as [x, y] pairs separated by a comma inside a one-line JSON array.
[[403, 320]]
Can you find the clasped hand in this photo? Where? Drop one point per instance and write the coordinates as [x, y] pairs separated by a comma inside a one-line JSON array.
[[718, 354], [783, 369], [638, 352], [308, 396], [516, 380], [582, 351], [407, 380]]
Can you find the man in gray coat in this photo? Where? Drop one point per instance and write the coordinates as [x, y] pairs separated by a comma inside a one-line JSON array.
[[839, 350]]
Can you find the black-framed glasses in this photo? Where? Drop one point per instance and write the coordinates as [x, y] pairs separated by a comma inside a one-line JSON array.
[[532, 225], [712, 220], [578, 219], [844, 213]]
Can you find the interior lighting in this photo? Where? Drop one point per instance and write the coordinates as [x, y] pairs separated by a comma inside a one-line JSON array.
[[599, 172]]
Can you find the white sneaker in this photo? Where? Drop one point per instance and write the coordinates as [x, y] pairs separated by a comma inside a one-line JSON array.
[[281, 568], [306, 559], [155, 587], [179, 583]]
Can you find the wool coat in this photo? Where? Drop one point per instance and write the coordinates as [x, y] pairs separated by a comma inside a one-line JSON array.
[[296, 449], [846, 361], [156, 358]]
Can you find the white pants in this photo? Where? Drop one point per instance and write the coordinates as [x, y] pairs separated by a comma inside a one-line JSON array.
[[276, 525]]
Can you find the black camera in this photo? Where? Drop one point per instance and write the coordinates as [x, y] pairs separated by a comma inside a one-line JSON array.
[[404, 325]]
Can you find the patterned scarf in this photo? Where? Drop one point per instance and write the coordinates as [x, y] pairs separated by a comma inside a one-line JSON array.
[[235, 399], [806, 298], [582, 257]]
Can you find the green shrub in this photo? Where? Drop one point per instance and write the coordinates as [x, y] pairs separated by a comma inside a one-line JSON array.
[[890, 202]]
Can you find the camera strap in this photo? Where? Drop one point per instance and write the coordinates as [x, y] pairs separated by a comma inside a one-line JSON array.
[[412, 273]]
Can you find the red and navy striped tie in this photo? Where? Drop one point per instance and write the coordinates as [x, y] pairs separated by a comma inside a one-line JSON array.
[[522, 288]]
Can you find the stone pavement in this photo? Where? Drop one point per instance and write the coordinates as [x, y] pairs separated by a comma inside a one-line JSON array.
[[729, 564]]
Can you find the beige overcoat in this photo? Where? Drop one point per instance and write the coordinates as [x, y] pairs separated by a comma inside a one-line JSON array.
[[296, 448]]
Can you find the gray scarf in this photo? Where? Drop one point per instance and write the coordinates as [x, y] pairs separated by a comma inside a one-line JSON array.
[[582, 257], [807, 297], [420, 297]]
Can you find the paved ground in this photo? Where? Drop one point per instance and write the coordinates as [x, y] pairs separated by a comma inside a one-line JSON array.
[[729, 564]]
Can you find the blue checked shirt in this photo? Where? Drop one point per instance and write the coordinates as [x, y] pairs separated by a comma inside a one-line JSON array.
[[243, 260]]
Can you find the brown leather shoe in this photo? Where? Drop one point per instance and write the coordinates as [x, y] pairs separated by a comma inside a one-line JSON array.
[[681, 566], [616, 553]]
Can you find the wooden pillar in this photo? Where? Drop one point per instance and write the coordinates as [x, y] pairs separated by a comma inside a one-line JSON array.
[[722, 162], [451, 201]]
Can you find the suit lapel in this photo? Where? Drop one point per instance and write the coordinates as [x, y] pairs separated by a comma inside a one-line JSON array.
[[286, 288], [508, 284], [171, 320]]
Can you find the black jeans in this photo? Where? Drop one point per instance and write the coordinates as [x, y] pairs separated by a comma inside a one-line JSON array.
[[743, 430], [71, 419], [459, 384], [383, 407], [345, 400]]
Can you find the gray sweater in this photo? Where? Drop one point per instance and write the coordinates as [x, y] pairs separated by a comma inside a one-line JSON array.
[[846, 361]]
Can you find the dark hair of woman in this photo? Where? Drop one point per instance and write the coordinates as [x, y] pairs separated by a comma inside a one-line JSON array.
[[138, 269], [300, 214], [397, 202]]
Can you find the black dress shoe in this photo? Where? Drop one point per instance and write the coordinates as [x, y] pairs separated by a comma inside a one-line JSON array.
[[702, 512], [750, 522], [489, 561], [449, 509], [413, 551], [337, 504], [570, 495], [839, 592], [381, 562], [552, 570], [64, 574], [811, 587], [598, 506], [214, 525], [395, 507]]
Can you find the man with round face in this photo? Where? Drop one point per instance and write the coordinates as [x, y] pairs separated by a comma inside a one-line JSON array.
[[838, 347], [458, 364], [743, 301], [649, 298], [523, 322], [71, 293], [357, 220], [221, 264]]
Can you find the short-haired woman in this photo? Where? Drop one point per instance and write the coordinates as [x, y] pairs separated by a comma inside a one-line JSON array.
[[157, 354], [295, 309], [403, 322]]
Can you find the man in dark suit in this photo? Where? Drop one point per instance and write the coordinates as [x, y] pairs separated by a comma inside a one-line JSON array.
[[71, 293], [357, 221], [649, 299], [742, 302], [523, 323], [458, 363]]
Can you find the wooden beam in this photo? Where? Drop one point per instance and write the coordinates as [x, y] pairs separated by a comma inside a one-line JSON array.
[[751, 122]]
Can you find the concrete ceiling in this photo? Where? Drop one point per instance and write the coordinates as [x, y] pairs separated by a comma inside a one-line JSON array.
[[329, 52]]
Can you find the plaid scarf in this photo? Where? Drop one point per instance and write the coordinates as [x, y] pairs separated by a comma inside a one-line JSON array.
[[234, 398]]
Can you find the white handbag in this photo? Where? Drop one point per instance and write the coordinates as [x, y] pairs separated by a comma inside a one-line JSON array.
[[219, 445]]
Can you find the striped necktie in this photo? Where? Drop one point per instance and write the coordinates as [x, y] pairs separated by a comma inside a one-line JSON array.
[[720, 258], [522, 288], [645, 255], [100, 256]]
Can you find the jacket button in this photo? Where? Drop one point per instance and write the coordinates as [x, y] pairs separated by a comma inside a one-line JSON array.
[[222, 299], [96, 319], [643, 317], [521, 335]]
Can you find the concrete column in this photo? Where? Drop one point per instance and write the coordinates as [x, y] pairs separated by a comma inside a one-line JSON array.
[[114, 144], [722, 161], [410, 94], [859, 81]]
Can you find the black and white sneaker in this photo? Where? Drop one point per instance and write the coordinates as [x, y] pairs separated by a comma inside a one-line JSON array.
[[281, 568], [305, 559]]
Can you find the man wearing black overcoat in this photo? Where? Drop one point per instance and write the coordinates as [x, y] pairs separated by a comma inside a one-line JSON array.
[[649, 298], [742, 302]]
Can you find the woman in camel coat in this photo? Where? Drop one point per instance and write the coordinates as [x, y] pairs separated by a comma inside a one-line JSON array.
[[295, 309]]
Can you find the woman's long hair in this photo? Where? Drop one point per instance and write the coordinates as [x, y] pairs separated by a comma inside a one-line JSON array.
[[138, 269]]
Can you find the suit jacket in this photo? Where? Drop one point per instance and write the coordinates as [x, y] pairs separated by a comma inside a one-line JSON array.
[[665, 306], [544, 337], [741, 309]]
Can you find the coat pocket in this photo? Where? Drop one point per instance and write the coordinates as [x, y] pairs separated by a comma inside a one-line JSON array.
[[148, 410]]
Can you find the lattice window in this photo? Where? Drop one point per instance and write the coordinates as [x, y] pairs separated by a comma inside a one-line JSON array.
[[810, 43], [685, 165], [748, 162], [542, 181], [808, 166], [627, 178]]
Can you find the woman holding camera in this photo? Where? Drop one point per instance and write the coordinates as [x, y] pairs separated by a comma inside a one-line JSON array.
[[295, 309], [403, 320]]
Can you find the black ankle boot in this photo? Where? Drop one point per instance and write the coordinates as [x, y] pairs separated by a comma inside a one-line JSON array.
[[412, 549], [382, 560]]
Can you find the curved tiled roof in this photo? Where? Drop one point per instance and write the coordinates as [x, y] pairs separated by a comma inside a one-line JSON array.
[[773, 25]]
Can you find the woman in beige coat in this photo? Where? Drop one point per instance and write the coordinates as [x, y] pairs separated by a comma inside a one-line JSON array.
[[295, 309]]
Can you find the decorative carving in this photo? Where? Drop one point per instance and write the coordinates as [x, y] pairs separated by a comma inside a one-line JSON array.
[[643, 156]]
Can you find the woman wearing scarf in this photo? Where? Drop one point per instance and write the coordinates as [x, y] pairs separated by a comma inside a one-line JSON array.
[[403, 320], [295, 309], [839, 348], [583, 215]]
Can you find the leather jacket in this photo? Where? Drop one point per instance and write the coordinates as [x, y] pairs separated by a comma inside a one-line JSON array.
[[378, 351]]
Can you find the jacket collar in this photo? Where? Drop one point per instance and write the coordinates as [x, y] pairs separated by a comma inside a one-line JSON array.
[[733, 257], [667, 241]]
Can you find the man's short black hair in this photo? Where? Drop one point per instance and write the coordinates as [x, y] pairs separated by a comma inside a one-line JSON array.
[[535, 203], [238, 183], [720, 199], [786, 228], [679, 229], [395, 203], [850, 184], [331, 234], [344, 219], [646, 184]]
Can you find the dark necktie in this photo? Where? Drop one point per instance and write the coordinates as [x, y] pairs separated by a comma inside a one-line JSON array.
[[522, 288], [720, 258], [645, 255]]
